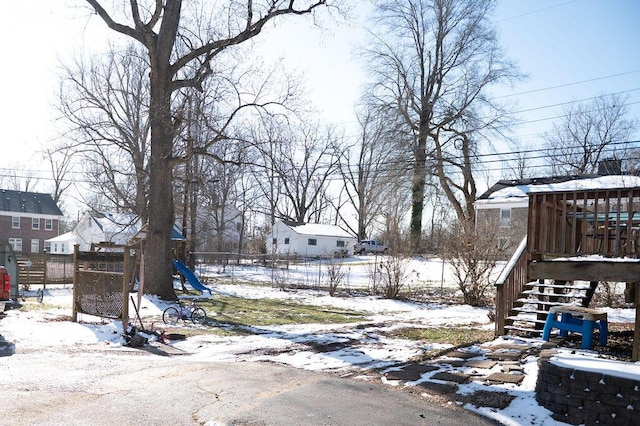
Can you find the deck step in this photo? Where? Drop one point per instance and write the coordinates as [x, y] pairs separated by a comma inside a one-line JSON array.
[[522, 329], [544, 302], [529, 286], [523, 310], [514, 318], [537, 293]]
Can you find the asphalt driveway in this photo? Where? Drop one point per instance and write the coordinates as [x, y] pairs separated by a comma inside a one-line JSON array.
[[134, 390]]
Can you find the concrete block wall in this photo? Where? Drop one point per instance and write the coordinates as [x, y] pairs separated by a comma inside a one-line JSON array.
[[588, 398]]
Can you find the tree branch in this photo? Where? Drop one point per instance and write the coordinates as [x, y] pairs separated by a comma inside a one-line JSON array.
[[122, 29]]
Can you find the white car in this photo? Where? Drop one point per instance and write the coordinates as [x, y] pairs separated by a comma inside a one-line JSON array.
[[370, 246]]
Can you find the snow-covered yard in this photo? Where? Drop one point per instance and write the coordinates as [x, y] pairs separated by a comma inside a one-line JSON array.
[[355, 350]]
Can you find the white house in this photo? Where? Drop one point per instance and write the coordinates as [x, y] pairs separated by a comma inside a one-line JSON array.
[[93, 228], [309, 239]]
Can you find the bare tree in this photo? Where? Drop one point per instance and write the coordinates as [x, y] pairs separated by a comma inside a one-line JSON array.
[[588, 133], [518, 166], [60, 164], [303, 169], [180, 59], [105, 102], [20, 178], [217, 132], [265, 173], [433, 61], [632, 161], [221, 195], [370, 169], [474, 258]]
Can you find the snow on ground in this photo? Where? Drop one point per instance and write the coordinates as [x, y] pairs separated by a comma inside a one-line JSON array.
[[48, 337]]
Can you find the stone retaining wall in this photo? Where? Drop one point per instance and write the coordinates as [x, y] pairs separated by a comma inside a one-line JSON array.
[[582, 397]]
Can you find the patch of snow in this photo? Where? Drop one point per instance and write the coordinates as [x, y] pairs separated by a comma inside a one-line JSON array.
[[587, 362]]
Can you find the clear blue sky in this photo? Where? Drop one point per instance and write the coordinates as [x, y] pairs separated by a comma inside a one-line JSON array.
[[572, 50]]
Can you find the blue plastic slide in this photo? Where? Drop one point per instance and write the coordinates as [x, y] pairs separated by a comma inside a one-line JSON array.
[[190, 276]]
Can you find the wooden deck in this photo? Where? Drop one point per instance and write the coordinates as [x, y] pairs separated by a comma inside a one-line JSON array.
[[584, 223], [586, 235], [585, 269]]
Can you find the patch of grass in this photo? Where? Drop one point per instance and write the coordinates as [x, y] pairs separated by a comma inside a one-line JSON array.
[[456, 336], [240, 312], [32, 305]]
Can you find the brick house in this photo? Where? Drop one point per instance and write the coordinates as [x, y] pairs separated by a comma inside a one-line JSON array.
[[27, 219]]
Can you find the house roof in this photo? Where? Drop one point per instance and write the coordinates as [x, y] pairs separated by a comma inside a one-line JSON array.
[[117, 225], [28, 202], [67, 237], [176, 235], [517, 190], [318, 229]]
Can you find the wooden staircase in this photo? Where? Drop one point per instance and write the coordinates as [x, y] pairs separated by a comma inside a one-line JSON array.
[[529, 311]]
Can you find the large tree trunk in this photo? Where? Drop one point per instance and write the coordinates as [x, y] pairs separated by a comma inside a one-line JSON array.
[[417, 194], [417, 207], [158, 269]]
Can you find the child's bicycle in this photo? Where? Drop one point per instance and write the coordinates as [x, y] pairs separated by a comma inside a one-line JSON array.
[[192, 312]]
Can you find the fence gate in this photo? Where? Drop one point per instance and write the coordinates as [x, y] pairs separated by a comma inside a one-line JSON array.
[[101, 284]]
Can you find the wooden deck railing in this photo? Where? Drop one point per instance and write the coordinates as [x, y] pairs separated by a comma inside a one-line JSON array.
[[585, 222], [510, 284]]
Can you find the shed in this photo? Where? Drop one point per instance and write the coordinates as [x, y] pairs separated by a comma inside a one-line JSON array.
[[309, 239]]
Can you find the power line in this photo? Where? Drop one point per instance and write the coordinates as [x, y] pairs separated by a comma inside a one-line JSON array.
[[575, 83], [579, 100], [536, 11]]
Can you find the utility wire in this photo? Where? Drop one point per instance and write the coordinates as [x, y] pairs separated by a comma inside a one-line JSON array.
[[575, 83]]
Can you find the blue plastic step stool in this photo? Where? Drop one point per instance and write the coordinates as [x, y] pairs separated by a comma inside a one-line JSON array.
[[579, 320]]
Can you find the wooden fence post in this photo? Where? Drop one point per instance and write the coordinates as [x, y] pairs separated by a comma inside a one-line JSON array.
[[74, 310], [125, 288], [44, 273]]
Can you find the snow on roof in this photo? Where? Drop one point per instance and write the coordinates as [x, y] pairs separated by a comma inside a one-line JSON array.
[[66, 237], [116, 223], [321, 230], [521, 192]]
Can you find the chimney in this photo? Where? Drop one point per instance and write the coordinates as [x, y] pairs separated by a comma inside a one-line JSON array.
[[609, 166]]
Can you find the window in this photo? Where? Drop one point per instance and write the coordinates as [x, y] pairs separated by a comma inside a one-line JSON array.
[[15, 222], [274, 241], [16, 243], [48, 224], [35, 223], [505, 217], [35, 246], [312, 242], [339, 243], [286, 240], [47, 247]]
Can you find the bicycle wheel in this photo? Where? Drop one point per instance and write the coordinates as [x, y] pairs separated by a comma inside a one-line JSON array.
[[198, 316], [170, 315]]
